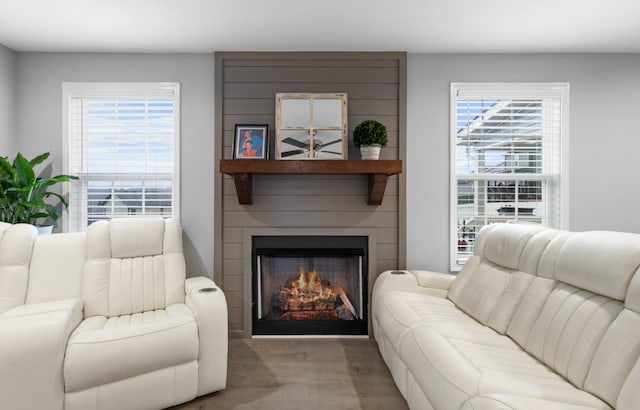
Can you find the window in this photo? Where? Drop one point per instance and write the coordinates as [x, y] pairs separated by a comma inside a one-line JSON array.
[[508, 149], [122, 141]]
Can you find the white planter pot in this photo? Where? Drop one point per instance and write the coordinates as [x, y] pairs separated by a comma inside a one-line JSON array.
[[44, 229], [370, 151]]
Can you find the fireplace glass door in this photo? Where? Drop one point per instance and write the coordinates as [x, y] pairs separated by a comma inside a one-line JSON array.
[[318, 290]]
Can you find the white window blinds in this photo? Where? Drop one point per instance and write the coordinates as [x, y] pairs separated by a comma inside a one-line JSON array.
[[507, 158], [122, 142]]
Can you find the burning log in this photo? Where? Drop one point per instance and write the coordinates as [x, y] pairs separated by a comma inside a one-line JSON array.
[[308, 297], [347, 303]]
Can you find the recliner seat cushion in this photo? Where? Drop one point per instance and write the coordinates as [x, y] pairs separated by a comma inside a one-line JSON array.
[[103, 350]]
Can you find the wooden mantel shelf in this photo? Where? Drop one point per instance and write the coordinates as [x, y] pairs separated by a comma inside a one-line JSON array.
[[378, 171]]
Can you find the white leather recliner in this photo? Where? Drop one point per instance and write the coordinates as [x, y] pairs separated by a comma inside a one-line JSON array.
[[106, 319], [139, 345]]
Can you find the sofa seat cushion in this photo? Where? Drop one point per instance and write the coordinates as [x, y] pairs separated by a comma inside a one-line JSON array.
[[507, 402], [398, 312], [103, 350], [452, 367]]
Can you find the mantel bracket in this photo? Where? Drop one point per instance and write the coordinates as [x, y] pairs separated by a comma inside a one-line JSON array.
[[244, 187]]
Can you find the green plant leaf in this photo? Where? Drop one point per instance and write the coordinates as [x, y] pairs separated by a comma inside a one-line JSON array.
[[24, 170], [39, 159], [57, 195], [51, 211]]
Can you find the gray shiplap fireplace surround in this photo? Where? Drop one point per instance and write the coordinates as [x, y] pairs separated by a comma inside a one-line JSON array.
[[305, 205]]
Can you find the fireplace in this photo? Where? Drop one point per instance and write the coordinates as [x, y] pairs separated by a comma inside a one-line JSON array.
[[309, 285]]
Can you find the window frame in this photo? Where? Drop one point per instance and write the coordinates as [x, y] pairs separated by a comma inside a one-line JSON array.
[[120, 89], [508, 90]]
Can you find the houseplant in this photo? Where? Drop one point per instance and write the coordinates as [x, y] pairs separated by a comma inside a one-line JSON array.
[[23, 194], [370, 136]]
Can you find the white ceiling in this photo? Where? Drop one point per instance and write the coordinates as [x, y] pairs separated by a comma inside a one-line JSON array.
[[415, 26]]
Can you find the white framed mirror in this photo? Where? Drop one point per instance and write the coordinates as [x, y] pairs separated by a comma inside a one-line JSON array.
[[311, 126]]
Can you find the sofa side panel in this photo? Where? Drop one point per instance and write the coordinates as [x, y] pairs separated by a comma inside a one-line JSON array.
[[208, 303], [56, 267]]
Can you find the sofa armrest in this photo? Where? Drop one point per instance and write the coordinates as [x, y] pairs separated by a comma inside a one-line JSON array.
[[422, 282], [208, 303], [34, 340], [72, 305], [435, 280]]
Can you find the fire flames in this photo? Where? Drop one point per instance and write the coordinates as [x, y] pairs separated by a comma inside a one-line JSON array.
[[306, 292]]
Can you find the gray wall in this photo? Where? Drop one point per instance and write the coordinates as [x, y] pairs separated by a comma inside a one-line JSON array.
[[604, 188], [604, 139], [8, 95], [40, 77]]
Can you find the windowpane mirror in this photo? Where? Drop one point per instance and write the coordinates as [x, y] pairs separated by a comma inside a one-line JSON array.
[[327, 112], [311, 126], [296, 112], [295, 144]]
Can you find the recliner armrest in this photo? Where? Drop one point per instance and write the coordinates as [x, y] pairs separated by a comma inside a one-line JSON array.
[[34, 339], [72, 305], [208, 303]]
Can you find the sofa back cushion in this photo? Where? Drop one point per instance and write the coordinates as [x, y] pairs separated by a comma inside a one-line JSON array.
[[495, 279], [16, 246], [601, 262], [56, 267], [626, 339], [133, 265], [569, 328], [614, 374], [584, 331]]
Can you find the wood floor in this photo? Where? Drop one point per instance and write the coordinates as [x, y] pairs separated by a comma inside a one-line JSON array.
[[304, 374]]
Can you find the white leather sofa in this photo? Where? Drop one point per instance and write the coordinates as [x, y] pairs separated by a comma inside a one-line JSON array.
[[106, 319], [537, 319]]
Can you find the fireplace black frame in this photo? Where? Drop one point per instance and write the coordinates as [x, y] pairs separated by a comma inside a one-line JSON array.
[[320, 245]]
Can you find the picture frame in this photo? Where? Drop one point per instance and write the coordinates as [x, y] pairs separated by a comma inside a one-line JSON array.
[[251, 141]]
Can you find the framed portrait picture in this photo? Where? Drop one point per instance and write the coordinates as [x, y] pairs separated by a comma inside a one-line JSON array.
[[251, 142]]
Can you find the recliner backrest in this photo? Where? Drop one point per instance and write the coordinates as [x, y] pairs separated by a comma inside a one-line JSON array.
[[133, 265], [16, 246]]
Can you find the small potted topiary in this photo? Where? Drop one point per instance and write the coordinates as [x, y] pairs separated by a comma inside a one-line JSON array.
[[370, 136]]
